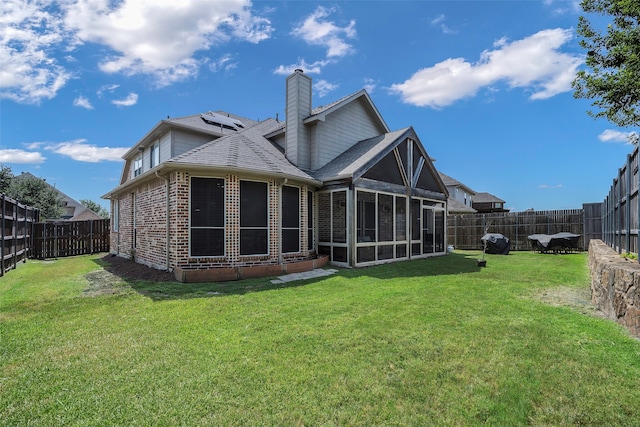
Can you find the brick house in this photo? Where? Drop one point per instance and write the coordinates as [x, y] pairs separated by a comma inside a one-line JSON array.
[[216, 196]]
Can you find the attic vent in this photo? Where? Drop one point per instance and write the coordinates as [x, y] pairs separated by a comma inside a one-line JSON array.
[[223, 121]]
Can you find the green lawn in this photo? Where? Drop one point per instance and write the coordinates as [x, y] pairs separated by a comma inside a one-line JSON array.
[[428, 342]]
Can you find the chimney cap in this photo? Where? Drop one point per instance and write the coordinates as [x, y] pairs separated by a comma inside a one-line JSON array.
[[298, 70]]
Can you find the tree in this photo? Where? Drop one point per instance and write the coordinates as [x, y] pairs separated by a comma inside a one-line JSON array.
[[614, 59], [33, 191], [5, 179], [95, 207]]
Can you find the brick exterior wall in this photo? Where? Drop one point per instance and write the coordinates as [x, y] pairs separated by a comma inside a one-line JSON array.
[[151, 238]]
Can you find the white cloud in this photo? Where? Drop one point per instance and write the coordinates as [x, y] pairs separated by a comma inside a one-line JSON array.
[[534, 63], [438, 21], [131, 99], [312, 68], [107, 88], [83, 102], [323, 87], [161, 37], [370, 85], [548, 186], [316, 30], [14, 155], [81, 151], [28, 33], [610, 135], [225, 63]]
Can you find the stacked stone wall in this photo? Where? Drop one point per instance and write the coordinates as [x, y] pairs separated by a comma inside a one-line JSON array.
[[615, 285]]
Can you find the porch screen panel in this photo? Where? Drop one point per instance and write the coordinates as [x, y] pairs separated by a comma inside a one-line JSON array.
[[386, 170], [290, 219], [415, 227], [324, 217], [401, 218], [207, 217], [427, 231], [366, 217], [385, 218], [339, 217], [254, 229], [439, 231]]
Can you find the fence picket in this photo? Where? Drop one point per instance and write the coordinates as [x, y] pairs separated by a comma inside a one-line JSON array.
[[464, 231]]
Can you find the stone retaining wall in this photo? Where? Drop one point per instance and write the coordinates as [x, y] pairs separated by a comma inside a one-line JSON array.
[[615, 285]]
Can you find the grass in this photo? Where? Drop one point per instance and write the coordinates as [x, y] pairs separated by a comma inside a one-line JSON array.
[[428, 342]]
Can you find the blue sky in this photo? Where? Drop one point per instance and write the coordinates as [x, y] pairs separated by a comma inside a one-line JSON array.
[[486, 84]]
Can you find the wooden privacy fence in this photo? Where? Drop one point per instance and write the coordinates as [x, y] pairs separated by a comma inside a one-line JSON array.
[[620, 219], [17, 230], [465, 230], [68, 238]]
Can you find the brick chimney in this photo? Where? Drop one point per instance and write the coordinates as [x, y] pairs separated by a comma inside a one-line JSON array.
[[298, 141]]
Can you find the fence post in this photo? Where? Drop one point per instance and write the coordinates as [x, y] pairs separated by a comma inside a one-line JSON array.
[[2, 248]]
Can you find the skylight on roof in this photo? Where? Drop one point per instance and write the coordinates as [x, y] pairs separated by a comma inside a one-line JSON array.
[[220, 120]]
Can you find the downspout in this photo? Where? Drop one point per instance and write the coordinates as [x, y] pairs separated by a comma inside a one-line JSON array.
[[168, 210]]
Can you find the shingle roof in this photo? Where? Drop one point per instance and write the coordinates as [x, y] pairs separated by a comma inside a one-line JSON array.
[[455, 206], [486, 197], [358, 156], [195, 121], [247, 150], [452, 182]]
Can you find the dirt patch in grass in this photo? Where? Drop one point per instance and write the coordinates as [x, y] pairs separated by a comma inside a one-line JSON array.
[[564, 296], [118, 273]]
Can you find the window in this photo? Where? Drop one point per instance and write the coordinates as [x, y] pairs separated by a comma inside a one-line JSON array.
[[207, 217], [290, 219], [137, 166], [155, 155], [310, 220], [254, 228]]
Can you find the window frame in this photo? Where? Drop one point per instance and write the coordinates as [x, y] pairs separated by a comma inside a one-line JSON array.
[[310, 218], [242, 228], [137, 166], [154, 155], [282, 226], [208, 227]]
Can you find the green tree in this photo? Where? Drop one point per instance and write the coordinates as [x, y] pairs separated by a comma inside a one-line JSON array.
[[613, 56], [95, 207], [33, 191], [5, 179]]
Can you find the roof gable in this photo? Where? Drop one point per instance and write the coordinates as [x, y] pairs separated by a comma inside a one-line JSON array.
[[320, 113]]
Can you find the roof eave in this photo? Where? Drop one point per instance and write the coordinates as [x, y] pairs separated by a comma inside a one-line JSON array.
[[165, 168]]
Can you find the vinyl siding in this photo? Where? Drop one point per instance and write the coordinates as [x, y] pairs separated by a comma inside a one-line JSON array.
[[184, 141], [341, 130]]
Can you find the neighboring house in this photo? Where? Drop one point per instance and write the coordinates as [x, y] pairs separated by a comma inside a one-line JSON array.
[[71, 209], [460, 196], [216, 196], [488, 203]]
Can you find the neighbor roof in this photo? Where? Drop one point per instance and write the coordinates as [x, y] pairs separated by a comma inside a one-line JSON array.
[[452, 182], [486, 197]]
